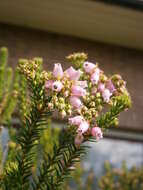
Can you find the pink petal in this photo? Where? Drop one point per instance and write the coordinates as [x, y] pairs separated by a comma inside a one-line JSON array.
[[48, 84], [83, 127], [57, 86], [96, 132], [73, 74], [76, 120], [75, 102], [88, 67], [58, 71], [110, 86], [94, 78], [101, 87], [78, 91], [94, 90], [106, 94]]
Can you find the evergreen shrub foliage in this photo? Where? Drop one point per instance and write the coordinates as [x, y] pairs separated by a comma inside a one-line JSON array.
[[78, 96], [112, 179], [123, 178], [9, 84]]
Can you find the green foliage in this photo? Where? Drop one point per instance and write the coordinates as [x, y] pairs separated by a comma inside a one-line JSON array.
[[55, 164], [56, 168], [121, 179], [49, 137], [9, 85], [76, 180], [1, 159], [77, 59], [8, 88], [23, 99], [113, 179], [18, 174], [120, 103]]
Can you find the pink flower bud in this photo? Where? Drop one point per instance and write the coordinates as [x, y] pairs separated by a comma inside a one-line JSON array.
[[75, 102], [78, 140], [57, 86], [94, 90], [82, 84], [58, 71], [66, 93], [83, 127], [78, 91], [110, 86], [96, 132], [106, 94], [101, 87], [73, 74], [95, 76], [77, 120], [88, 67], [48, 84]]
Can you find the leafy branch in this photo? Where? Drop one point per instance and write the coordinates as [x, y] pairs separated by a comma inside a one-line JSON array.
[[120, 103], [9, 87], [28, 136], [54, 170], [54, 91]]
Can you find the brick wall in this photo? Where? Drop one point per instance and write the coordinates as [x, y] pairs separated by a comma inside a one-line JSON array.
[[27, 43]]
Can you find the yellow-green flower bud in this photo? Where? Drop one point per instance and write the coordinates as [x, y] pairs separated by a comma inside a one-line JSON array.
[[98, 94], [61, 106], [11, 144], [100, 108], [84, 108], [92, 97], [69, 106], [63, 113], [116, 121], [61, 100], [69, 111], [98, 100], [92, 104]]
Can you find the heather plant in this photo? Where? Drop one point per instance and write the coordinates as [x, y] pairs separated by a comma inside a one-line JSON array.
[[123, 178], [84, 97], [78, 180], [8, 88], [9, 85], [112, 179]]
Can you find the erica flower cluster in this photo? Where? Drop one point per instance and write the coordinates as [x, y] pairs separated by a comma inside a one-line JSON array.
[[66, 89], [81, 95]]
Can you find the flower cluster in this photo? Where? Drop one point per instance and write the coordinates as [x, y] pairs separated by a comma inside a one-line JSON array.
[[81, 95]]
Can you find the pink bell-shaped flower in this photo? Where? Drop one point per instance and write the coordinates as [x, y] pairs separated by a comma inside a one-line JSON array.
[[83, 127], [88, 67], [97, 133], [75, 102], [101, 87], [95, 76], [58, 71], [77, 120], [78, 91], [73, 74], [48, 84], [106, 94], [110, 86], [57, 86]]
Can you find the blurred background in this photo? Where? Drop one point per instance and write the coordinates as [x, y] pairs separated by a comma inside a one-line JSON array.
[[111, 32]]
